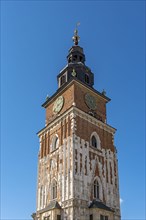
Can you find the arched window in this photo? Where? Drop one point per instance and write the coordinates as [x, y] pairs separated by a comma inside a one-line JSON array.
[[96, 189], [81, 59], [55, 142], [54, 190], [86, 78], [95, 140], [62, 80], [75, 58]]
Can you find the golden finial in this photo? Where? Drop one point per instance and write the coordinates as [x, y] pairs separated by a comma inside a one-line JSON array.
[[76, 38]]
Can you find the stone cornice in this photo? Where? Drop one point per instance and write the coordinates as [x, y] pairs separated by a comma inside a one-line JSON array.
[[94, 121], [68, 84], [77, 112], [56, 121]]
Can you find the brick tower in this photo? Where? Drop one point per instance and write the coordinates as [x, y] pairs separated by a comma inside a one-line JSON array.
[[77, 164]]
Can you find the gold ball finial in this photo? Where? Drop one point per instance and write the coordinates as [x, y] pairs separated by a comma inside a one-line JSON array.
[[76, 38]]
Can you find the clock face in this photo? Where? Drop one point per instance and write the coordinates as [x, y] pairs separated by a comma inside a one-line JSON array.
[[90, 101], [58, 104]]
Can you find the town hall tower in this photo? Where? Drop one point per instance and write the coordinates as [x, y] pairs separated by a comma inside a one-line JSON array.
[[77, 162]]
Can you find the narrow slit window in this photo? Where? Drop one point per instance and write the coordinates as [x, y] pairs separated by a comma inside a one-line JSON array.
[[96, 190], [86, 78], [54, 190], [62, 80], [94, 142]]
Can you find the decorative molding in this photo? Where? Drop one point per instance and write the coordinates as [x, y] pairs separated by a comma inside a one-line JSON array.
[[72, 113], [94, 121]]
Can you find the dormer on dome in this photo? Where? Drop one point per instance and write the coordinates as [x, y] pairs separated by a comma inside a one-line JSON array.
[[76, 68]]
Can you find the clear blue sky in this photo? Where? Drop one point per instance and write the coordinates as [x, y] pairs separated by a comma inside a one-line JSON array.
[[35, 39]]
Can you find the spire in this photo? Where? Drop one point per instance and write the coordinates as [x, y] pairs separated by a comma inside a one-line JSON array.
[[76, 38], [76, 68]]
